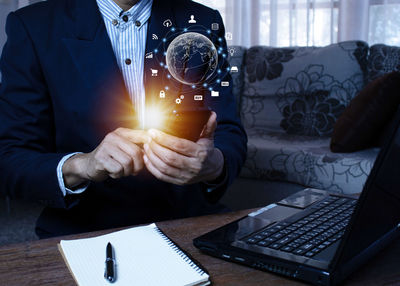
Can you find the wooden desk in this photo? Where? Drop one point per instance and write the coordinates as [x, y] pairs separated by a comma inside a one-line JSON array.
[[40, 263]]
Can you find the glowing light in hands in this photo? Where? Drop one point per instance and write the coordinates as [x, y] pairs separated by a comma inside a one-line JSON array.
[[154, 118]]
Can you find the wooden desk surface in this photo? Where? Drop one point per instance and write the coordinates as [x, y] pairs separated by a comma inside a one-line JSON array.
[[40, 263]]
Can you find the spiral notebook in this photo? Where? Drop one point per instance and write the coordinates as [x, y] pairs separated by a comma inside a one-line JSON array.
[[144, 256]]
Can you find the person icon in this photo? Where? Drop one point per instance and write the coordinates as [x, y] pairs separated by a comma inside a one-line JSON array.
[[192, 20]]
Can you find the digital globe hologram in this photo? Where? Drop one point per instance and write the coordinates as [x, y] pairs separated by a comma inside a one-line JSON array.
[[191, 58]]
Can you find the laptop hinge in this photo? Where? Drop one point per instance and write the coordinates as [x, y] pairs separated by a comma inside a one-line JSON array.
[[343, 270]]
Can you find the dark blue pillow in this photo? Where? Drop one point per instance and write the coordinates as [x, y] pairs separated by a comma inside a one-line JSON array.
[[363, 122]]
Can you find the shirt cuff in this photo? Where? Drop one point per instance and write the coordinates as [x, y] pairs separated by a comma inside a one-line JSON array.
[[65, 191], [222, 179]]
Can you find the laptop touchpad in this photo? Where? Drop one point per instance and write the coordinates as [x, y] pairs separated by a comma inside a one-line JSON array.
[[303, 199], [277, 213]]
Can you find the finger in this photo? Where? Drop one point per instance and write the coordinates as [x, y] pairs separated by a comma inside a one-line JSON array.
[[178, 145], [135, 136], [156, 173], [122, 158], [138, 163], [170, 157], [161, 165], [209, 129], [134, 152], [113, 168]]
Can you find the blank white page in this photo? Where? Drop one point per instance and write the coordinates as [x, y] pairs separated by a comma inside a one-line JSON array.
[[143, 257]]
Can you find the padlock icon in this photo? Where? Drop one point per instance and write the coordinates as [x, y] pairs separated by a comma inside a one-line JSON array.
[[162, 94]]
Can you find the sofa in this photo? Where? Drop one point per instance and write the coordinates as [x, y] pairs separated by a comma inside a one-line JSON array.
[[277, 90], [289, 100]]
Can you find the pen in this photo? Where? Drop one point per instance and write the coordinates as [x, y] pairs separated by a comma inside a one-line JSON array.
[[109, 272]]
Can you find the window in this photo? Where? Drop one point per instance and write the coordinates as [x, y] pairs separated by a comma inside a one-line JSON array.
[[384, 22], [310, 22]]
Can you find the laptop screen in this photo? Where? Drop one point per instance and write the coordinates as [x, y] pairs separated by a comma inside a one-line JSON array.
[[378, 208]]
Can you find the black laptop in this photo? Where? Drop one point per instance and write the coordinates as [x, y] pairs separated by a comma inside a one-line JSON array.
[[314, 235]]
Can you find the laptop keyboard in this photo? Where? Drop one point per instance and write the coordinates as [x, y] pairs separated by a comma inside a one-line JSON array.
[[310, 234]]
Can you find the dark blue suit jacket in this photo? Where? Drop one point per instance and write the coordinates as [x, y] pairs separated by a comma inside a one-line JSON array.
[[62, 92]]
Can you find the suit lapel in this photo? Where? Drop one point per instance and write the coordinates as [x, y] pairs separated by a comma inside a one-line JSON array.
[[91, 48], [91, 51], [92, 54]]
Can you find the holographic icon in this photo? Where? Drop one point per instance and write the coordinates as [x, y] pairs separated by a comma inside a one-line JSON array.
[[179, 99], [162, 94], [167, 23], [154, 37], [154, 72], [149, 55], [192, 20], [224, 83], [214, 93], [192, 58], [215, 26], [234, 69], [229, 36], [232, 51], [198, 97]]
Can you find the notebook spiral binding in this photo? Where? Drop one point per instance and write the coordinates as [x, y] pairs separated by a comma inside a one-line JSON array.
[[181, 253]]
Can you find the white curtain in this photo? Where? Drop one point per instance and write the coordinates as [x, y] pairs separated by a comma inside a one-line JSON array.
[[309, 22], [244, 24], [291, 22]]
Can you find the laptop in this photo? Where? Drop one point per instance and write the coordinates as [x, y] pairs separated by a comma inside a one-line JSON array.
[[318, 236]]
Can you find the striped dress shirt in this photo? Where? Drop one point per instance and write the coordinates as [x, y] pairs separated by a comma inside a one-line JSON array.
[[127, 31]]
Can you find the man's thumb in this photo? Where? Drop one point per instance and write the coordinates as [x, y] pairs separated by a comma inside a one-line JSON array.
[[209, 128]]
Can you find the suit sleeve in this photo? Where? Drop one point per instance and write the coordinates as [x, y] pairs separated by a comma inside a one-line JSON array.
[[28, 159], [230, 137]]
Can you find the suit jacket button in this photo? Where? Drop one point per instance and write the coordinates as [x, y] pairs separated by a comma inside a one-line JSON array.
[[115, 22], [128, 61], [125, 18], [137, 23]]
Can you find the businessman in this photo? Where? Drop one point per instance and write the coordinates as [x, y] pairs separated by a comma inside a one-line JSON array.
[[75, 83]]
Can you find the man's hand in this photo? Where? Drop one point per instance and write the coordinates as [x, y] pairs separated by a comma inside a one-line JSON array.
[[118, 155], [180, 161]]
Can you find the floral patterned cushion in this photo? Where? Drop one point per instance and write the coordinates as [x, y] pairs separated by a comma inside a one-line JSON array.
[[383, 59], [301, 90], [306, 161]]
